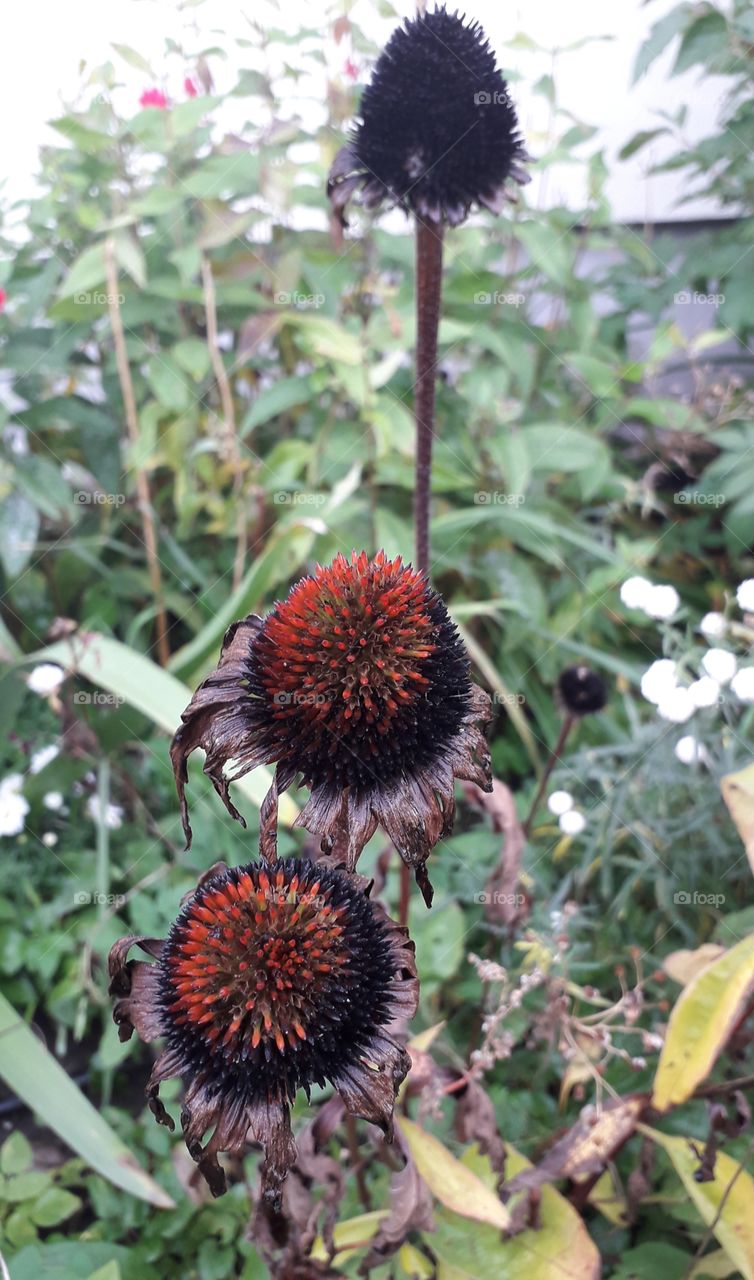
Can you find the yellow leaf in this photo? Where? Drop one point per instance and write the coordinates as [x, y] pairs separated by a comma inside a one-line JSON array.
[[415, 1264], [684, 965], [738, 794], [713, 1266], [733, 1223], [424, 1040], [450, 1181], [606, 1197], [702, 1019], [348, 1236]]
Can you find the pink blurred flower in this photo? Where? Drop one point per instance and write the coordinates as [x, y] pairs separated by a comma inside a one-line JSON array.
[[190, 88], [3, 299], [350, 70], [153, 98]]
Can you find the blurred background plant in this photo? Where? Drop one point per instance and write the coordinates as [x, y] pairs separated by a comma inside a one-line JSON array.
[[201, 396]]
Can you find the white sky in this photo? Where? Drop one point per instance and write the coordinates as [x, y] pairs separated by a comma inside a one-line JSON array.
[[46, 42]]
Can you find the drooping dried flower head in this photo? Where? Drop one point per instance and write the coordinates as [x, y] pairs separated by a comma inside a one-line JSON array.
[[359, 683], [581, 690], [272, 979], [437, 130]]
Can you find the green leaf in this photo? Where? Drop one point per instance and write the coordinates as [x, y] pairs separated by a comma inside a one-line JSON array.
[[450, 1181], [638, 141], [169, 384], [15, 1154], [659, 38], [19, 526], [277, 399], [726, 1203], [87, 271], [66, 1259], [549, 249], [113, 666], [129, 256], [599, 377], [25, 1186], [31, 1072], [702, 41], [702, 1020], [133, 58], [55, 1206]]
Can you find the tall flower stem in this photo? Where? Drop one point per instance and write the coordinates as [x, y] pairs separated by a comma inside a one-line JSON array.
[[428, 295], [555, 754]]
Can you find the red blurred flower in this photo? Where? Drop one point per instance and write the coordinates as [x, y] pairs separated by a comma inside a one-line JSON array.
[[190, 88], [154, 98], [350, 70], [3, 298]]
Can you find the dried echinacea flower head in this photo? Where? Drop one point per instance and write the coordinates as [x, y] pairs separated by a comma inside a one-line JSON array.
[[272, 979], [358, 683], [437, 132]]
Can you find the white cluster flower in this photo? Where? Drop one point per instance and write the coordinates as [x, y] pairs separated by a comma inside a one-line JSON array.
[[720, 664], [689, 750], [112, 817], [53, 800], [46, 679], [742, 684], [49, 839], [745, 595], [713, 626], [560, 802], [43, 757], [657, 600], [13, 805], [572, 822], [676, 705], [660, 679], [704, 692]]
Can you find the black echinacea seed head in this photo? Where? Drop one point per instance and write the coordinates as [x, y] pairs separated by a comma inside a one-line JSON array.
[[272, 979], [437, 132], [581, 690]]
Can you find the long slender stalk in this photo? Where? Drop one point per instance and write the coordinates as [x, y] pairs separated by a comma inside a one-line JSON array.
[[555, 754], [229, 414], [143, 491], [428, 297], [103, 837]]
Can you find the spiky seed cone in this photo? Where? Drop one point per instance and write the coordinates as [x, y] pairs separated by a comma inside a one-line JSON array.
[[581, 690], [437, 131], [359, 683], [271, 980]]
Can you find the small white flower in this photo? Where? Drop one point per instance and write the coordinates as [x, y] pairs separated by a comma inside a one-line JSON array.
[[745, 595], [43, 757], [53, 800], [662, 602], [572, 822], [635, 592], [46, 678], [704, 692], [659, 679], [113, 813], [49, 839], [689, 750], [713, 626], [560, 802], [676, 706], [720, 664], [13, 806], [742, 684]]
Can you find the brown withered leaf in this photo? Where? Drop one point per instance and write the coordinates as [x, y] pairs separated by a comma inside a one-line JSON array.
[[587, 1147], [505, 904], [410, 1210], [476, 1122]]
